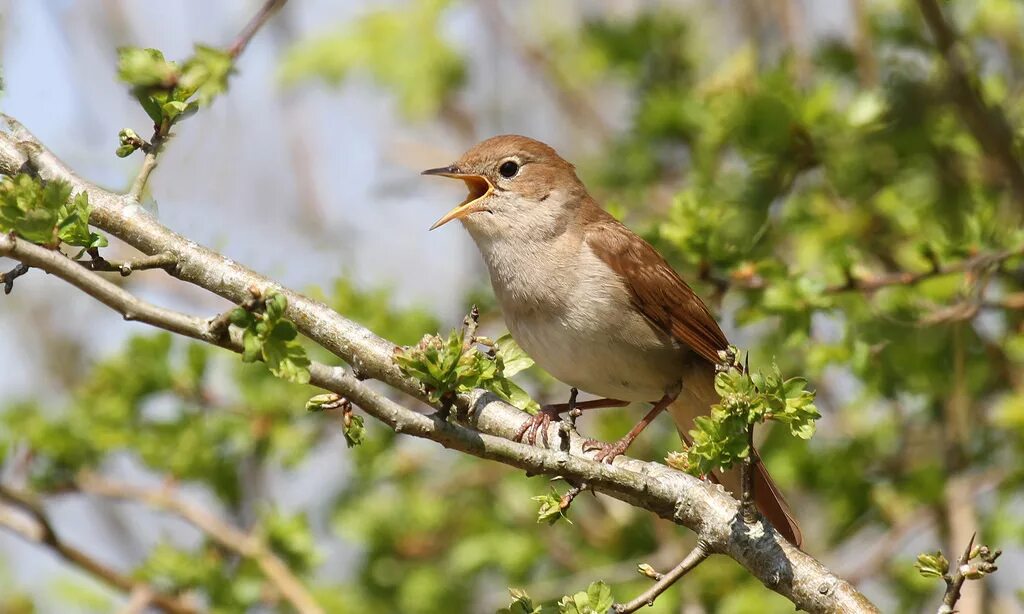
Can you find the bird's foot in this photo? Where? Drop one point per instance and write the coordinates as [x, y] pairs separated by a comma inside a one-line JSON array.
[[606, 452], [538, 423]]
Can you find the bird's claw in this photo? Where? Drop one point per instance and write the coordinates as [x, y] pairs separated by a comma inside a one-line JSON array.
[[606, 452], [538, 422]]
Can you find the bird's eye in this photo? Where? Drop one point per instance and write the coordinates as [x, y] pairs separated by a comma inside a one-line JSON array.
[[508, 169]]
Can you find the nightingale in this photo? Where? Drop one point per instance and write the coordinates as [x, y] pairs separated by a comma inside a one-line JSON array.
[[591, 302]]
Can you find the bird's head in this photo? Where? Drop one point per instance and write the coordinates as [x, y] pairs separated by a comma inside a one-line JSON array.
[[515, 184]]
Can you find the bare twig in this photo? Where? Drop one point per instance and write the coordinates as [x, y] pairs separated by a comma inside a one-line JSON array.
[[7, 279], [986, 122], [104, 291], [955, 581], [489, 423], [696, 556], [156, 261], [265, 13], [43, 533], [162, 131], [249, 546], [138, 600]]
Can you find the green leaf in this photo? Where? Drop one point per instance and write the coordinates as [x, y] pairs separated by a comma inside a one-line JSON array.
[[240, 317], [205, 75], [73, 227], [932, 565], [522, 604], [353, 429], [172, 109], [276, 305], [252, 346], [317, 402], [596, 600], [145, 68], [600, 596], [512, 356], [550, 510], [286, 360], [45, 214]]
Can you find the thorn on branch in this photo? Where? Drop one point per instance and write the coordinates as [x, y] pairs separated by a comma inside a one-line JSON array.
[[7, 279], [696, 556]]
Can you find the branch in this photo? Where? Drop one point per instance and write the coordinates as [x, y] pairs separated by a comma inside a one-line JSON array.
[[663, 581], [42, 532], [987, 123], [485, 433], [246, 545]]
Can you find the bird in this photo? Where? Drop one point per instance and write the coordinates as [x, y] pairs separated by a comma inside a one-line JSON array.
[[593, 303]]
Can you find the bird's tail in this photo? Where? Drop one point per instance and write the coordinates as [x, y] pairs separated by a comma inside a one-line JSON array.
[[697, 396]]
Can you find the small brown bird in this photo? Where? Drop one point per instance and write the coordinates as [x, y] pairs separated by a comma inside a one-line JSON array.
[[590, 301]]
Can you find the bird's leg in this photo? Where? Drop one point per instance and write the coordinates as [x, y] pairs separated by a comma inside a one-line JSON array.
[[538, 423], [608, 451]]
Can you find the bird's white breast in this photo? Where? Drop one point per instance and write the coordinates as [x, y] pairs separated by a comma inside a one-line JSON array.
[[573, 315]]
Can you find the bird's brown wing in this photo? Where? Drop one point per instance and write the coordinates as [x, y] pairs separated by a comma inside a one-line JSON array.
[[657, 290]]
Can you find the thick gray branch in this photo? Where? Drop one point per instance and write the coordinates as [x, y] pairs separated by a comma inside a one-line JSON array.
[[702, 507]]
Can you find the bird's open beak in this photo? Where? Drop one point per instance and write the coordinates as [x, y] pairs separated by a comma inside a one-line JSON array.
[[479, 188]]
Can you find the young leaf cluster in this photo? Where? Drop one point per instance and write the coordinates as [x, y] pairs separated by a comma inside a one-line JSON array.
[[552, 507], [169, 91], [268, 337], [45, 213], [720, 439], [447, 367], [597, 599]]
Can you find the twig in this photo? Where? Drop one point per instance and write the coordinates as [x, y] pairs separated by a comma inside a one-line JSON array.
[[217, 326], [156, 261], [469, 327], [571, 494], [138, 600], [148, 166], [987, 123], [254, 25], [162, 131], [248, 546], [748, 509], [108, 293], [696, 556], [490, 424], [45, 534], [955, 581], [8, 278]]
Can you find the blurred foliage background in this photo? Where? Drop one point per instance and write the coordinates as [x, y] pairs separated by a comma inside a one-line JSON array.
[[809, 166]]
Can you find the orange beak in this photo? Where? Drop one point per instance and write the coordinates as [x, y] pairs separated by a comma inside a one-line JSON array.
[[479, 188]]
